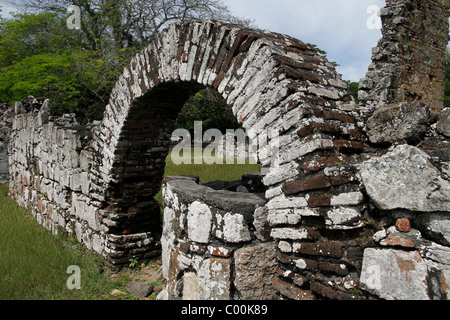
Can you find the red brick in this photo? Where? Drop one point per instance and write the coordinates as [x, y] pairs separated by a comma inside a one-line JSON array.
[[291, 291], [395, 241], [315, 126], [320, 201], [328, 292], [340, 269], [340, 180], [349, 145], [296, 74], [218, 80], [306, 131], [309, 264], [184, 247], [335, 115], [220, 252], [316, 183]]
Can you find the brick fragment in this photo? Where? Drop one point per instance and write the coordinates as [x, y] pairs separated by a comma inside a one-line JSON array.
[[316, 183], [349, 145], [291, 291], [335, 115], [340, 269], [299, 263], [318, 127], [320, 201], [403, 225], [328, 292], [340, 180], [395, 241], [321, 163]]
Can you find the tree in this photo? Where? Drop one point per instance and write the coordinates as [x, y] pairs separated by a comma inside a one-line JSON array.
[[77, 69], [209, 107], [39, 56], [132, 23]]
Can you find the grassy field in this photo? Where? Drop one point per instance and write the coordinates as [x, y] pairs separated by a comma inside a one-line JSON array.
[[208, 173], [33, 262]]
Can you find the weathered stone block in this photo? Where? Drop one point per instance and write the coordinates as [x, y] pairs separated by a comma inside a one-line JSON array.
[[214, 278], [443, 125], [199, 222], [395, 274], [295, 234], [344, 218], [254, 270], [405, 178], [398, 122], [232, 227]]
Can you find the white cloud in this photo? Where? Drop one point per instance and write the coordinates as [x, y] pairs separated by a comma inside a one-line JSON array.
[[336, 26]]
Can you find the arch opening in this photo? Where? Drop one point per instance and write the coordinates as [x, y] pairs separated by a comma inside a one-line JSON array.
[[142, 148]]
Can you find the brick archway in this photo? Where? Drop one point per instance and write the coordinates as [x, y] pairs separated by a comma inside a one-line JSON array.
[[268, 79]]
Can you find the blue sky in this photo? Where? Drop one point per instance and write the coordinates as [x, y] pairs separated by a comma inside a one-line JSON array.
[[336, 26]]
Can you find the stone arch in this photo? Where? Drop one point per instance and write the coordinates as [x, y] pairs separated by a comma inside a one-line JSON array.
[[269, 79]]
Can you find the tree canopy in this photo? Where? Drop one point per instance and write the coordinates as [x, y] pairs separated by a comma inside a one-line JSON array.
[[77, 69]]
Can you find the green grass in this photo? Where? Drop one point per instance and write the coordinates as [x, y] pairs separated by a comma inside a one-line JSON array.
[[208, 173], [34, 262]]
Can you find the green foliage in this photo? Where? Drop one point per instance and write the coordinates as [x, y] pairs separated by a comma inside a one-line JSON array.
[[40, 75], [77, 69], [133, 263], [209, 107], [353, 90], [39, 56], [323, 53]]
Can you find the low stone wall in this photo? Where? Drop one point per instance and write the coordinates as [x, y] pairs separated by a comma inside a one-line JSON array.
[[6, 112], [215, 243]]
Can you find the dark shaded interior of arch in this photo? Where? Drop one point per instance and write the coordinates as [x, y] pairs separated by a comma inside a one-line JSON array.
[[141, 154]]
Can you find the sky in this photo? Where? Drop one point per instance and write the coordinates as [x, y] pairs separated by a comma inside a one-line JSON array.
[[340, 27], [337, 26]]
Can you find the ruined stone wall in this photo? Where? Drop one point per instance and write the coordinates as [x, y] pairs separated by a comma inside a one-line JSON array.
[[408, 64], [6, 112], [216, 243], [52, 173]]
